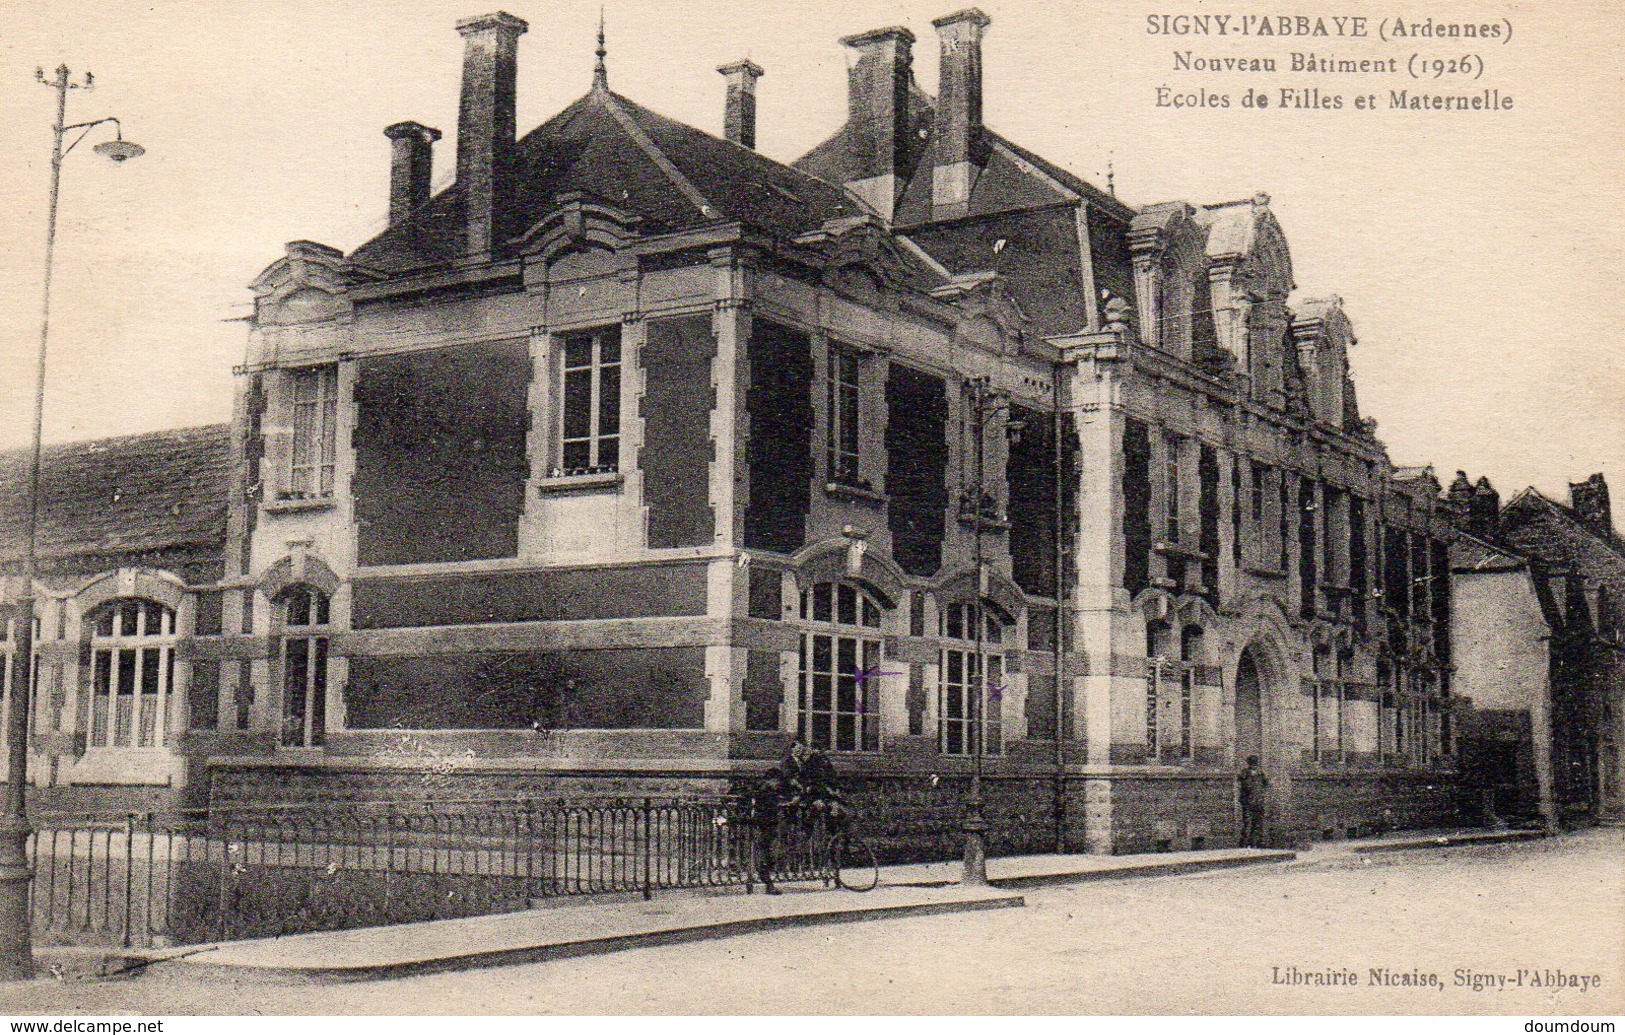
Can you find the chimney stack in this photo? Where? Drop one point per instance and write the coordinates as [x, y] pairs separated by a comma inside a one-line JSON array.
[[485, 121], [739, 117], [1589, 499], [957, 136], [878, 116], [410, 164]]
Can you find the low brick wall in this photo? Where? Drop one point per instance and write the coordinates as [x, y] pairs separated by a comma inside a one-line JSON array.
[[1333, 806], [1156, 813], [918, 816], [235, 786]]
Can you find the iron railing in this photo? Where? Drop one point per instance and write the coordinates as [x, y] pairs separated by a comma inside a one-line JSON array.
[[146, 879]]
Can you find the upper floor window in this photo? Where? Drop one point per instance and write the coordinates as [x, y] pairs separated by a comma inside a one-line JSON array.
[[843, 439], [305, 614], [132, 646], [840, 668], [590, 402], [965, 695], [1170, 491], [313, 407]]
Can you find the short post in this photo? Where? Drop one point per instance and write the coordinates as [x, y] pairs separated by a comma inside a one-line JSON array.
[[648, 849], [129, 876]]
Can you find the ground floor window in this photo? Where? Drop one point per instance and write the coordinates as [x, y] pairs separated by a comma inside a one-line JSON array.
[[305, 615], [840, 669], [132, 648]]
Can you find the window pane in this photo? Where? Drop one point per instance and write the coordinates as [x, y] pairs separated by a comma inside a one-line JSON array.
[[577, 404], [822, 653], [846, 610], [577, 351], [129, 617], [609, 454], [822, 594], [609, 402]]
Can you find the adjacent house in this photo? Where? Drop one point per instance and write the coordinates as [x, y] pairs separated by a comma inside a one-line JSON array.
[[1540, 648]]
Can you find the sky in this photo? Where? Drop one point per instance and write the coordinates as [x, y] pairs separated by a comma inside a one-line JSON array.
[[1478, 253]]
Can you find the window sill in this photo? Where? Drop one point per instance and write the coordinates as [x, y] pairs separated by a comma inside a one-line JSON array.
[[1176, 550], [580, 483], [1263, 573], [992, 523], [855, 492], [300, 505]]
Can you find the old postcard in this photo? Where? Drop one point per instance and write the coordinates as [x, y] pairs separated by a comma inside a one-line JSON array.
[[857, 508]]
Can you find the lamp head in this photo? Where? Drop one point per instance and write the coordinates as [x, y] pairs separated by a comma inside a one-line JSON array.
[[120, 150]]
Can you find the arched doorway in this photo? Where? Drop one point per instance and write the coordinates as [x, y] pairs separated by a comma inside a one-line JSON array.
[[1249, 709]]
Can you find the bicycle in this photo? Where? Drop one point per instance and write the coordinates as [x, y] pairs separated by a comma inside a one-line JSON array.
[[852, 863]]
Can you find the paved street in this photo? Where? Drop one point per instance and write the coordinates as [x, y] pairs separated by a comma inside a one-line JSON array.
[[1209, 943]]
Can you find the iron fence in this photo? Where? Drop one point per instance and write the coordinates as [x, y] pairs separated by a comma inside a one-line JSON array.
[[146, 879]]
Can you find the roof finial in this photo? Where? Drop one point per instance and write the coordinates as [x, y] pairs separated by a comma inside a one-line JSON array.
[[1111, 176], [600, 74]]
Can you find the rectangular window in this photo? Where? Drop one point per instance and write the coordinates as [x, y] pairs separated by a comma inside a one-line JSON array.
[[964, 697], [590, 402], [839, 694], [1314, 720], [313, 407], [1190, 656], [1155, 664], [1284, 517], [843, 439], [132, 669], [1170, 487]]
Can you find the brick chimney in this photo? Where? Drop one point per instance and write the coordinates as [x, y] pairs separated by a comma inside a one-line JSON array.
[[877, 115], [485, 121], [739, 117], [1484, 509], [957, 134], [1589, 499], [411, 162]]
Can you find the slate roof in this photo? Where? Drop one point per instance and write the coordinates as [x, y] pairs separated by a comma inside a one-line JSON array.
[[1531, 505], [134, 494], [673, 176]]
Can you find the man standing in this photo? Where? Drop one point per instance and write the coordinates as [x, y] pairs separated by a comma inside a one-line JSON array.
[[1252, 788]]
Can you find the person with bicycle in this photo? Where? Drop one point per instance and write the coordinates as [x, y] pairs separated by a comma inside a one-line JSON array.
[[816, 789]]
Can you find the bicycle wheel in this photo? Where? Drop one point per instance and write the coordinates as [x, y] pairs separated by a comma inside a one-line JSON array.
[[855, 865]]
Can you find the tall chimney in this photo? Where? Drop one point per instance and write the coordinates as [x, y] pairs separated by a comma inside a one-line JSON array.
[[1589, 499], [957, 135], [410, 164], [485, 120], [877, 114], [739, 117]]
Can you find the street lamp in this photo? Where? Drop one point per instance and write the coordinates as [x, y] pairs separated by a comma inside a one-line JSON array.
[[984, 409], [16, 935]]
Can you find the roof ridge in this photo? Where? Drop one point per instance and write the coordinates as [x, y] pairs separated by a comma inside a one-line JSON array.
[[611, 104]]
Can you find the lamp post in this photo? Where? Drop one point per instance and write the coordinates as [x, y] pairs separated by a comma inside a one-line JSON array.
[[16, 935], [974, 824]]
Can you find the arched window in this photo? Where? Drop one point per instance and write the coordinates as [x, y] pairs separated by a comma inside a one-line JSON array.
[[1159, 669], [840, 665], [304, 614], [963, 695], [132, 646], [1191, 655]]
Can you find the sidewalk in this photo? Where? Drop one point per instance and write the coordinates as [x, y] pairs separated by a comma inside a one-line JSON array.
[[565, 929], [1031, 871], [533, 935]]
